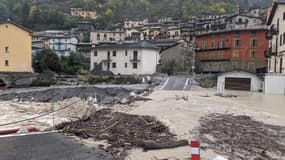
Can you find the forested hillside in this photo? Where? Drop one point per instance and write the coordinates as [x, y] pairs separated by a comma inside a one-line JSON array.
[[50, 14]]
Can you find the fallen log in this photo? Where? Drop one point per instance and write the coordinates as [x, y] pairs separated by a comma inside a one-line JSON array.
[[166, 145]]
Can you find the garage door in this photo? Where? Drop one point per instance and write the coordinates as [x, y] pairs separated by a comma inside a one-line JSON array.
[[242, 84]]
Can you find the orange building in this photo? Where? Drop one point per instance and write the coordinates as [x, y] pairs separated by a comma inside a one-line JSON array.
[[229, 50]]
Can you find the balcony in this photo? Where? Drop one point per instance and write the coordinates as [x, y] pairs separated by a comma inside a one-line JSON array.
[[272, 31], [135, 59], [211, 49], [108, 59], [270, 52]]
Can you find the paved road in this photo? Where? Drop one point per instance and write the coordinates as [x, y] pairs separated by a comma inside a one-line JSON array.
[[177, 83], [52, 146]]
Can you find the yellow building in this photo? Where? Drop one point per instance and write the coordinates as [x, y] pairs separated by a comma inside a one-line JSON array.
[[79, 12], [15, 48]]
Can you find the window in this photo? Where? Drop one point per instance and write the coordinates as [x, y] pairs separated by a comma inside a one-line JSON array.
[[126, 53], [251, 67], [6, 49], [135, 55], [237, 42], [240, 20], [236, 65], [6, 63], [108, 66], [95, 54], [237, 34], [283, 38], [176, 33], [220, 55], [126, 65], [221, 44], [236, 54], [212, 56], [254, 43], [212, 44], [114, 65], [114, 53], [253, 34], [283, 16], [252, 54], [105, 36], [204, 44], [135, 65]]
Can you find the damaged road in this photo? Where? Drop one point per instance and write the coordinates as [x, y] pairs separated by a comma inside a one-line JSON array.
[[99, 95]]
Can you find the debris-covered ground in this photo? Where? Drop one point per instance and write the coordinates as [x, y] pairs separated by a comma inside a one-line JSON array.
[[240, 137], [122, 131], [103, 96]]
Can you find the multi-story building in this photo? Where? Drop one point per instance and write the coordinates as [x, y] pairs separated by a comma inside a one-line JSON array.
[[139, 58], [15, 48], [150, 31], [276, 35], [275, 80], [63, 45], [61, 42], [228, 50], [243, 20], [100, 36], [79, 12], [129, 24]]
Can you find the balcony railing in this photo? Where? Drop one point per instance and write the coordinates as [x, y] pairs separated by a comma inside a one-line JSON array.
[[270, 52], [135, 59], [272, 31]]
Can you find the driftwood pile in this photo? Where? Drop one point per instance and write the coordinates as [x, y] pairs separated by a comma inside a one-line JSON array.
[[122, 131], [240, 137]]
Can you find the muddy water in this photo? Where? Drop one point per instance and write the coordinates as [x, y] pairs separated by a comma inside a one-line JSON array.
[[183, 116], [271, 103]]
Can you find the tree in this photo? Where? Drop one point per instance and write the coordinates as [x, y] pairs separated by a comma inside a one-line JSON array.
[[47, 61]]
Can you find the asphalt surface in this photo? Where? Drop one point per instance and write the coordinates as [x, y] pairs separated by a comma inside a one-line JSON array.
[[51, 146], [177, 83]]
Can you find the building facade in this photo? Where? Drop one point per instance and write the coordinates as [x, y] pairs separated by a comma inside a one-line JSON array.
[[139, 58], [79, 12], [229, 50], [63, 45], [276, 35], [15, 48], [101, 36]]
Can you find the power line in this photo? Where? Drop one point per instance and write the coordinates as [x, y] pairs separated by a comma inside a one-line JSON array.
[[42, 115]]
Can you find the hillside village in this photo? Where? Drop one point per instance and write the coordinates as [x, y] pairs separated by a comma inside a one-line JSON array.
[[147, 87]]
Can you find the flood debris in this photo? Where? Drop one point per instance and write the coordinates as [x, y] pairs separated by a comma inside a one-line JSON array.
[[102, 95], [122, 131], [241, 137], [226, 95]]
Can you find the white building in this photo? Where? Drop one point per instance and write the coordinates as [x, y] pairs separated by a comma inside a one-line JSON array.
[[139, 58], [276, 34], [274, 82], [63, 45], [61, 42]]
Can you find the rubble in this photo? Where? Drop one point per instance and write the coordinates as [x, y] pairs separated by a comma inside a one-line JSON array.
[[241, 137], [121, 130]]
